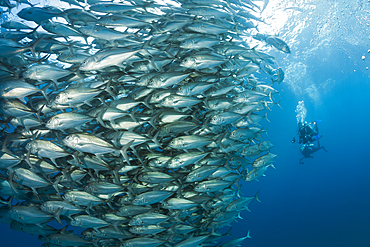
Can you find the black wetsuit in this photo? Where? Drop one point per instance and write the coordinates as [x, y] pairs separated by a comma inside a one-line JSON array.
[[309, 149], [306, 133]]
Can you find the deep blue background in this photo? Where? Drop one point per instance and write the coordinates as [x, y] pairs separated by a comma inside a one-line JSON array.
[[326, 201]]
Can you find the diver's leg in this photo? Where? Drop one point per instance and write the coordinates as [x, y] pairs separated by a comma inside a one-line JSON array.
[[318, 137], [314, 150]]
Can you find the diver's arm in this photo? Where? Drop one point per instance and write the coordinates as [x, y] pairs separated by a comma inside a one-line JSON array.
[[297, 132], [293, 139]]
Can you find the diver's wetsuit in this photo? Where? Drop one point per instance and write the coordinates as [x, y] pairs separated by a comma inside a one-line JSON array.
[[308, 149], [307, 134]]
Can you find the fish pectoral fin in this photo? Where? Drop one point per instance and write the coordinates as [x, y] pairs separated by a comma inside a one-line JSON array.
[[121, 65], [78, 128]]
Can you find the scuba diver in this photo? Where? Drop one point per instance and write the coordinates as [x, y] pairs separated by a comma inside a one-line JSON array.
[[308, 149], [307, 132]]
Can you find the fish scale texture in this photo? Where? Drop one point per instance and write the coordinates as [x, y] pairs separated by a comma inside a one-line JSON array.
[[135, 121]]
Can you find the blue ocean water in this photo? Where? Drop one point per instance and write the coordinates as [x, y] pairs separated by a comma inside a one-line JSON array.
[[325, 201]]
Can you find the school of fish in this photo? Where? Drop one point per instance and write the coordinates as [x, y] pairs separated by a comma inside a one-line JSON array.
[[135, 121]]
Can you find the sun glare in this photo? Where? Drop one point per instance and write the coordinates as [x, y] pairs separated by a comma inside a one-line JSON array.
[[274, 17]]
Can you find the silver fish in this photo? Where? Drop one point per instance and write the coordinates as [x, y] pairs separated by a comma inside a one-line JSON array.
[[133, 120], [67, 120], [148, 219]]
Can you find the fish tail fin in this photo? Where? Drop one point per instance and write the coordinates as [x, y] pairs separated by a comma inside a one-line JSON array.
[[10, 181], [155, 139], [6, 123], [100, 119], [55, 185], [33, 46], [63, 230], [177, 218], [136, 154], [4, 148], [43, 91], [194, 117], [27, 158], [124, 151], [109, 202], [220, 138], [266, 117], [177, 56], [236, 183], [57, 215], [204, 205], [153, 120], [9, 201], [109, 89], [147, 104], [38, 114], [116, 175], [170, 238], [228, 232], [256, 196], [277, 103], [167, 50]]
